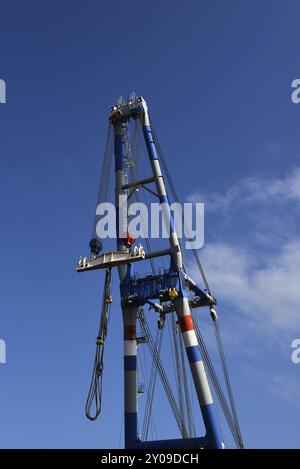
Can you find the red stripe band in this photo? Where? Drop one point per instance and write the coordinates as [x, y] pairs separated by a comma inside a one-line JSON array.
[[129, 333], [186, 323]]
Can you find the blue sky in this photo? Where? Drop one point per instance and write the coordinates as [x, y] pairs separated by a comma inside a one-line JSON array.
[[217, 77]]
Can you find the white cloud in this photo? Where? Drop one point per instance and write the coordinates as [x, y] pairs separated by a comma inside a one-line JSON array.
[[287, 388], [268, 295], [261, 279], [253, 190]]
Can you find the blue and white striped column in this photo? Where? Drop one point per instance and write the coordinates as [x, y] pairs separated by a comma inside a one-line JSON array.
[[213, 432], [119, 167], [130, 377], [129, 314], [160, 186]]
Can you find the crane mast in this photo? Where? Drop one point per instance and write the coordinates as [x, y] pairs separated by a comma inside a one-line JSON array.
[[167, 291]]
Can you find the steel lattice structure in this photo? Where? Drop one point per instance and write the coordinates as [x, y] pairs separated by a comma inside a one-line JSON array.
[[165, 291]]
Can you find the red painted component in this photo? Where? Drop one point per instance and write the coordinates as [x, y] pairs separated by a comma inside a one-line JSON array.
[[129, 332], [128, 240], [186, 323], [113, 118]]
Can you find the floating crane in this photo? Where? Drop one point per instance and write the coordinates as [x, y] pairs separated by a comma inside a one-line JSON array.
[[169, 292]]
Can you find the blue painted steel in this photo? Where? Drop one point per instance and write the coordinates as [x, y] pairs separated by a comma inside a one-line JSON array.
[[198, 291], [163, 199], [119, 164], [150, 142], [182, 285], [154, 304], [130, 363], [130, 377], [182, 443], [119, 157], [130, 424], [213, 432], [193, 354], [136, 291]]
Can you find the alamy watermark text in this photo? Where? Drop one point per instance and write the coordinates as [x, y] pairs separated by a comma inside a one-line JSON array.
[[295, 356], [2, 91], [158, 220], [2, 351]]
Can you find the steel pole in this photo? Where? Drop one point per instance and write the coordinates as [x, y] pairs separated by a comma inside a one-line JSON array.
[[129, 314], [130, 377], [213, 431], [160, 186]]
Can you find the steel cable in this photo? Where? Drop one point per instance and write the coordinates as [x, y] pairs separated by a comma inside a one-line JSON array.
[[95, 390]]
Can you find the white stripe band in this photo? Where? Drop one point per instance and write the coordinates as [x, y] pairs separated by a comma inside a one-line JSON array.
[[189, 338], [201, 383], [130, 348]]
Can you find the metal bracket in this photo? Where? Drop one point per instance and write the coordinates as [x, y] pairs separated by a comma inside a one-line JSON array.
[[110, 259], [140, 183]]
